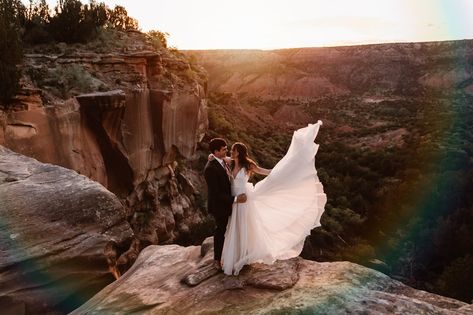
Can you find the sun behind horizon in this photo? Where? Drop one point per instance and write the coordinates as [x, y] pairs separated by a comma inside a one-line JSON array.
[[260, 24]]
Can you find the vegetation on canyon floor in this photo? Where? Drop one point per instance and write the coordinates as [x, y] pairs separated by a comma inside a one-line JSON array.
[[397, 202]]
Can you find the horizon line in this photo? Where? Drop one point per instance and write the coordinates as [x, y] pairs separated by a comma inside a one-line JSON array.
[[332, 46]]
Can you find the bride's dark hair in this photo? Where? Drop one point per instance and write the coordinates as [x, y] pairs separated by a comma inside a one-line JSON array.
[[243, 159]]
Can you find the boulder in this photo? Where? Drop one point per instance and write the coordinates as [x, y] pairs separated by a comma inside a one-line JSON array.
[[54, 227]]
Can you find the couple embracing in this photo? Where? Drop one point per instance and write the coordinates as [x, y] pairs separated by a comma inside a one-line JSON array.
[[268, 221]]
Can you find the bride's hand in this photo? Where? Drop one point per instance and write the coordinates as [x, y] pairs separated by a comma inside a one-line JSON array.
[[211, 157], [241, 198]]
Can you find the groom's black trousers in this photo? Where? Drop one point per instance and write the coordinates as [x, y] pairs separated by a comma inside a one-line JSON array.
[[219, 237]]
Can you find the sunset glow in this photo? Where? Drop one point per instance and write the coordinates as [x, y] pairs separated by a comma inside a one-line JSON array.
[[219, 24]]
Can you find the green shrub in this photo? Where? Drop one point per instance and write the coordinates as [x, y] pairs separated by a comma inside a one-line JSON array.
[[71, 22], [158, 39], [456, 279], [65, 80], [36, 23], [11, 53], [118, 19]]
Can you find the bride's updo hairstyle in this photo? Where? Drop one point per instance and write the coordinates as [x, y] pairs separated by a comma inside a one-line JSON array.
[[243, 159]]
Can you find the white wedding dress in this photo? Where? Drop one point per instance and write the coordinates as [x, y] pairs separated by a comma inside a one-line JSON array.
[[281, 210]]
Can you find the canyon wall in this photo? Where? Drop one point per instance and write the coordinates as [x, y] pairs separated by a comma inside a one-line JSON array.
[[121, 118]]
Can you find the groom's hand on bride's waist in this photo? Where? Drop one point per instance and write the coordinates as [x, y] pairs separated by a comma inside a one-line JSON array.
[[240, 198]]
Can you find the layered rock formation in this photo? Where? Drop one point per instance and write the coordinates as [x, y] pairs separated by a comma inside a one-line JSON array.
[[143, 107], [154, 285], [307, 73], [55, 225]]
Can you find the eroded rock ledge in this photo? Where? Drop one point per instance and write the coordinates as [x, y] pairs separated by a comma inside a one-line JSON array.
[[54, 226], [119, 116], [155, 285]]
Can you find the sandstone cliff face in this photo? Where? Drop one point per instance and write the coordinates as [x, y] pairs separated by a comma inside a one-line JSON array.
[[307, 73], [154, 286], [127, 138], [55, 225]]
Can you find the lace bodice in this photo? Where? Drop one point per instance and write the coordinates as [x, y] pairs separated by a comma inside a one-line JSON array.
[[239, 182]]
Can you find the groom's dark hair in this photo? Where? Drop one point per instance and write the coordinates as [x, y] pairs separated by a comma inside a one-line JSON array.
[[216, 144]]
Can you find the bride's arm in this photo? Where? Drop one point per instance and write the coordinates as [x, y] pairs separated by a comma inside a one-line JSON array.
[[259, 170], [227, 159]]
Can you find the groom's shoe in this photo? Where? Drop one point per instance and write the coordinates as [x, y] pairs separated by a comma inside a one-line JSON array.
[[218, 265]]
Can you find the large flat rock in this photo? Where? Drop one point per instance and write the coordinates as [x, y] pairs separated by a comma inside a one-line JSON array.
[[54, 225], [154, 285]]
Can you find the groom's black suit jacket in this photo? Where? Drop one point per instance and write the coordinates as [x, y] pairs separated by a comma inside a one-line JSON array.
[[220, 199]]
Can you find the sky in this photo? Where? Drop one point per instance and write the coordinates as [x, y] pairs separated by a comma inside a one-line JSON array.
[[271, 24]]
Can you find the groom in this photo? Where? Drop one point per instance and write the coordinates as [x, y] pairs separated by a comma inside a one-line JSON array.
[[218, 177]]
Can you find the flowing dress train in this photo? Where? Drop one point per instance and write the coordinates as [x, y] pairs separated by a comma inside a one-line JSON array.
[[281, 210]]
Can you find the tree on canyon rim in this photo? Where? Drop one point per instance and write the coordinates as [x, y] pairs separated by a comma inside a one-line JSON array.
[[11, 52]]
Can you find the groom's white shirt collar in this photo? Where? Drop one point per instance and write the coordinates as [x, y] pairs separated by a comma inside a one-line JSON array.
[[218, 159]]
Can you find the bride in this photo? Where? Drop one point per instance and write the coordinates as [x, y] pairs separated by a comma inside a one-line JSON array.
[[280, 211]]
